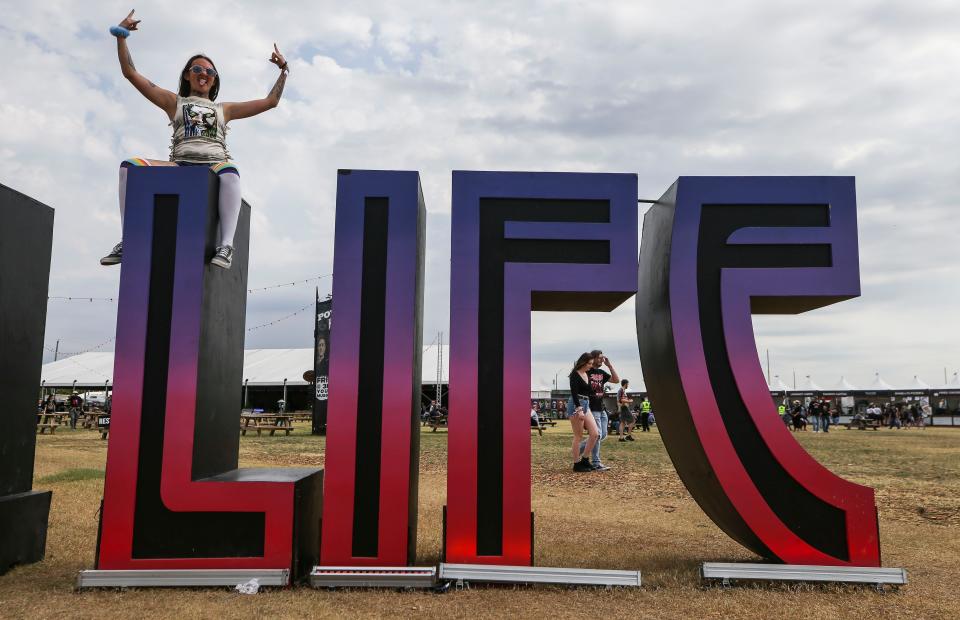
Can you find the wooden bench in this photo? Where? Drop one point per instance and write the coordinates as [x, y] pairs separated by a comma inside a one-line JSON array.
[[47, 421], [273, 428], [863, 424], [266, 421]]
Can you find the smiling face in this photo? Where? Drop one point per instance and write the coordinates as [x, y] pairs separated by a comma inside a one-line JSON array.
[[200, 83]]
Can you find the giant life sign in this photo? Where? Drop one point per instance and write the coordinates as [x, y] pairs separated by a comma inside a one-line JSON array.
[[715, 250]]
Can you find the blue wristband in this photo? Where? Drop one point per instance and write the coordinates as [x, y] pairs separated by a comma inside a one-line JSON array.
[[119, 31]]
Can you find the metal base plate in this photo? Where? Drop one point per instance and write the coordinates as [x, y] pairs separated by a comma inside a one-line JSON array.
[[373, 576], [536, 574], [796, 572], [180, 578]]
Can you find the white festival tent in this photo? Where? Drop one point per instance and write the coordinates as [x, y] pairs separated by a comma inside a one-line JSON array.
[[918, 384], [879, 385], [843, 386], [954, 383], [777, 385], [808, 385], [261, 367]]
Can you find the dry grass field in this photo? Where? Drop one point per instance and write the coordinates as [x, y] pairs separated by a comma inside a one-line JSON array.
[[636, 516]]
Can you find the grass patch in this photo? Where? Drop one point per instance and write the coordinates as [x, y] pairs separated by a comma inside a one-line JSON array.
[[638, 515], [72, 475]]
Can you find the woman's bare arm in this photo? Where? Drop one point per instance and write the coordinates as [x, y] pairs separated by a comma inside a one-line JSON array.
[[246, 109], [160, 97]]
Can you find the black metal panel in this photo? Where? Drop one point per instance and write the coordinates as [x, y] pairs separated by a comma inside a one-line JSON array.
[[26, 240], [366, 480], [23, 528]]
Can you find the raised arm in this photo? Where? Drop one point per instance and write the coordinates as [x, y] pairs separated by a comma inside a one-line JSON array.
[[160, 97], [246, 109], [614, 377]]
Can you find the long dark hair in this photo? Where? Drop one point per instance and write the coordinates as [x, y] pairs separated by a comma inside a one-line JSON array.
[[584, 357], [185, 83]]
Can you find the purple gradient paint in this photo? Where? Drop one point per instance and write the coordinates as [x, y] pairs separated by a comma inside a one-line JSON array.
[[370, 507], [521, 241], [733, 246]]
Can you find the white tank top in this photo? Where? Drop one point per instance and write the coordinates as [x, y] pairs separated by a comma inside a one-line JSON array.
[[199, 133]]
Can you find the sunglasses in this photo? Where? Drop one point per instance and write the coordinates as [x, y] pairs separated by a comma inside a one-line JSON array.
[[197, 70]]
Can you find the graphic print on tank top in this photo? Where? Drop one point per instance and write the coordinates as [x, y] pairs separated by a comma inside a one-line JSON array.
[[199, 121]]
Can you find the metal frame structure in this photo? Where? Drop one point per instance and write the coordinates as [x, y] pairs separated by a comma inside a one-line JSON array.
[[373, 577], [535, 574], [728, 571], [180, 578]]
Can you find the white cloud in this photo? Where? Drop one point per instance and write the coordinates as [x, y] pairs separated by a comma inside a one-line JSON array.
[[662, 89]]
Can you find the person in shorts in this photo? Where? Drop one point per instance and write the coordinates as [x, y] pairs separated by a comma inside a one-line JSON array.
[[578, 412], [627, 419]]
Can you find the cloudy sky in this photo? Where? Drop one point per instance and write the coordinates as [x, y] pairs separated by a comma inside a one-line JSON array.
[[868, 89]]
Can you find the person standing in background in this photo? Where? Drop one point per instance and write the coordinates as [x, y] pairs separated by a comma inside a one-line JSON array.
[[598, 378], [76, 403], [645, 410], [627, 420], [813, 411]]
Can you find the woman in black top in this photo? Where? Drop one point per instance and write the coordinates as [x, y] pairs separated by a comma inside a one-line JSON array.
[[578, 410]]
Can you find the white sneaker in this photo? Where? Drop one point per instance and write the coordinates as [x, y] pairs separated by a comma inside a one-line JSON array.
[[223, 257]]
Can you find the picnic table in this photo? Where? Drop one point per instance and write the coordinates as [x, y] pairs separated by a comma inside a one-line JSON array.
[[272, 422], [90, 419], [863, 424], [48, 421]]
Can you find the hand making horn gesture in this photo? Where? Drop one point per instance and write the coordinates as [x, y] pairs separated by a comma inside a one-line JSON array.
[[276, 58], [129, 22]]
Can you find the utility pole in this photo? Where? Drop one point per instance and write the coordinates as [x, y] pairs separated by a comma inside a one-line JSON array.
[[794, 378], [56, 350], [439, 391]]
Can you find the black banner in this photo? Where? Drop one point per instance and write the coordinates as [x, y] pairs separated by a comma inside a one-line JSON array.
[[321, 364]]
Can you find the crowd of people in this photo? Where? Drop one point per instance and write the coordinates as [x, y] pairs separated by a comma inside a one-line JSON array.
[[820, 414], [590, 420], [898, 415]]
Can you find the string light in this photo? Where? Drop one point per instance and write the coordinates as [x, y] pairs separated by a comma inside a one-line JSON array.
[[87, 299], [288, 284], [250, 290], [283, 318], [66, 354]]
